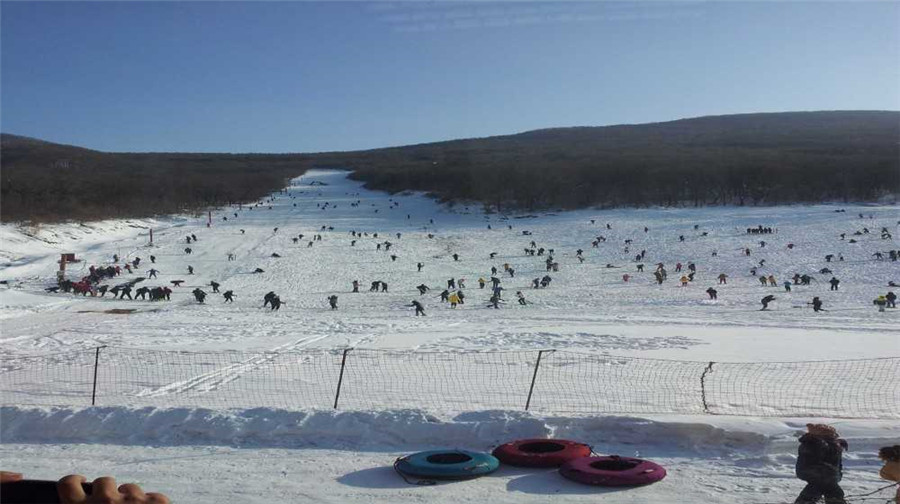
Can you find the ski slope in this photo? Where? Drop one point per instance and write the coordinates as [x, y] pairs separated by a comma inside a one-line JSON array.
[[272, 455], [588, 306]]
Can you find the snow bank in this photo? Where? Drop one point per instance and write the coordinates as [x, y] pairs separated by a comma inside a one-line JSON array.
[[399, 429]]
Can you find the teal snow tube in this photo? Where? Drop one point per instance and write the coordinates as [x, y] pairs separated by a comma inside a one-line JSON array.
[[446, 465]]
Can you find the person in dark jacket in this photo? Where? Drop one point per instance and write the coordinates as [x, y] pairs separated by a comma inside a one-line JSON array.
[[766, 300], [420, 310], [817, 304], [199, 295], [819, 464]]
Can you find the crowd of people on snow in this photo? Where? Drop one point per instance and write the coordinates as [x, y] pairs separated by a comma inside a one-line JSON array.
[[96, 283]]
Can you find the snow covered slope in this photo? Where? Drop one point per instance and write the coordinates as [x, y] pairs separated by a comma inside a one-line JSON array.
[[587, 307]]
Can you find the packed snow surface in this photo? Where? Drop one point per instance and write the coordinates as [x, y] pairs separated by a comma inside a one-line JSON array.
[[275, 455]]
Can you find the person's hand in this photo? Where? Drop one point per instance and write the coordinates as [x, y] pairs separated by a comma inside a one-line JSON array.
[[8, 477], [104, 491]]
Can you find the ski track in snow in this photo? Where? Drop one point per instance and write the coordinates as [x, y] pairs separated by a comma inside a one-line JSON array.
[[213, 380]]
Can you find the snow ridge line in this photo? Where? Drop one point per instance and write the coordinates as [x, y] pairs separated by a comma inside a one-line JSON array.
[[413, 429]]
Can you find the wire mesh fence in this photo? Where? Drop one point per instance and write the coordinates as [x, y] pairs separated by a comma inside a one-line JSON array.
[[367, 379]]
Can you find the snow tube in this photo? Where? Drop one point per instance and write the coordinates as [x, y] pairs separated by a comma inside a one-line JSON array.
[[612, 471], [541, 452], [446, 465]]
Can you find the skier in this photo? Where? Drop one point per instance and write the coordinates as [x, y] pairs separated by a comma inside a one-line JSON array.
[[880, 302], [454, 300], [332, 301], [229, 296], [142, 292], [356, 286], [834, 283], [153, 273], [423, 289], [383, 286], [445, 295], [820, 465], [495, 302], [276, 303], [190, 270], [375, 285], [451, 284], [684, 281], [215, 286], [199, 295], [456, 257], [420, 310], [787, 286], [153, 259], [481, 283], [817, 304], [521, 298], [259, 270], [419, 266], [461, 283], [766, 300], [267, 299], [713, 293], [891, 299]]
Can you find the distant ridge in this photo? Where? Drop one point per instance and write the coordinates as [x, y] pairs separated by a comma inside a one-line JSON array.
[[765, 158]]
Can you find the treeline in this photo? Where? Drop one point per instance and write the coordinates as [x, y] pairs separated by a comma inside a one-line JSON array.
[[751, 159], [46, 182]]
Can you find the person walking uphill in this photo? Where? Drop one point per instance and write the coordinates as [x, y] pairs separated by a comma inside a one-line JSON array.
[[420, 310], [820, 465]]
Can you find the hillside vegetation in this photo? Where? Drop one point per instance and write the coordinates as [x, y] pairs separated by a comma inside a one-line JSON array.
[[47, 182], [744, 159], [737, 159]]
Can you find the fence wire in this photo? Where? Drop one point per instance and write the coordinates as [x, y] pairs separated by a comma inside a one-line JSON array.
[[369, 379]]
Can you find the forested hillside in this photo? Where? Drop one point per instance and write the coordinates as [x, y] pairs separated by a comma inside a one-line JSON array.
[[738, 159], [47, 182], [748, 159]]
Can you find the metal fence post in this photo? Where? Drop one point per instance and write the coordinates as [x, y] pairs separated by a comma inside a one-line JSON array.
[[534, 377], [337, 394], [703, 386], [96, 365]]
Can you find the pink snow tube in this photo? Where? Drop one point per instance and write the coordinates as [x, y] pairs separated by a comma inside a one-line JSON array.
[[612, 471]]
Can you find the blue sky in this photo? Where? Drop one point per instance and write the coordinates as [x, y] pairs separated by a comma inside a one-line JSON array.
[[309, 76]]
